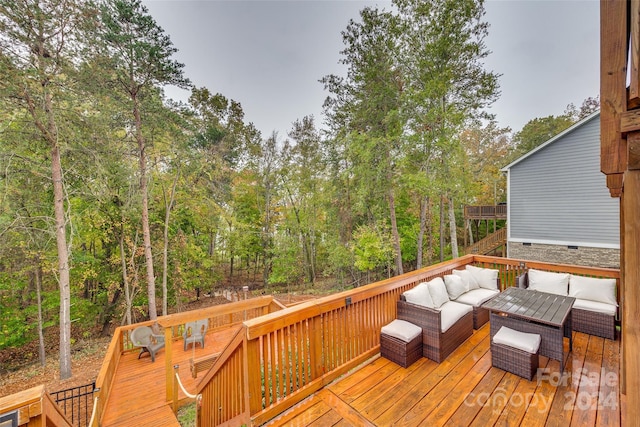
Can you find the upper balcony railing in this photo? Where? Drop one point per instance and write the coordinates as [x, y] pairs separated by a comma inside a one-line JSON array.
[[485, 212]]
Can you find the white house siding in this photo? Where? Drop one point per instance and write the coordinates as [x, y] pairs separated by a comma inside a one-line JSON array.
[[557, 196]]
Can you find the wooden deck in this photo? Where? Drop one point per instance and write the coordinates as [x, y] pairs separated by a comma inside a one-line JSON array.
[[465, 390], [138, 396]]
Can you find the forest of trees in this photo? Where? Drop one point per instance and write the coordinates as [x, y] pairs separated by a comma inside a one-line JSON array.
[[116, 203]]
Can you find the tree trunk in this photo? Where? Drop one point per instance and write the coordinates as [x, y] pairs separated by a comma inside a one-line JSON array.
[[63, 265], [423, 225], [453, 229], [146, 231], [41, 349], [165, 237], [49, 132], [394, 232], [266, 238], [441, 228], [125, 279]]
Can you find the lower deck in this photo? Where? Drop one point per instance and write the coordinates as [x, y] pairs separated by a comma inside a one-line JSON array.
[[465, 390], [138, 396]]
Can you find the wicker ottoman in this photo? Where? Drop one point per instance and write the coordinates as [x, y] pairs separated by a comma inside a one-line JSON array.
[[401, 342], [515, 352]]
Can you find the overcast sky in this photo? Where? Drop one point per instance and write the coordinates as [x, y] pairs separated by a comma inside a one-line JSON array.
[[269, 55]]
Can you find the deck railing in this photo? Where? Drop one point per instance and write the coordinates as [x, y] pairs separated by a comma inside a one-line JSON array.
[[76, 403], [485, 212], [279, 358], [287, 356]]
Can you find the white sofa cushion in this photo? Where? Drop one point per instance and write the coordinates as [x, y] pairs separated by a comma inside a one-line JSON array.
[[487, 278], [402, 330], [438, 292], [589, 288], [552, 283], [598, 307], [468, 277], [520, 340], [456, 286], [451, 312], [419, 295], [477, 296]]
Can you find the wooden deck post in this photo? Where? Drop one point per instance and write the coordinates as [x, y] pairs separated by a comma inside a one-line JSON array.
[[631, 295], [168, 361]]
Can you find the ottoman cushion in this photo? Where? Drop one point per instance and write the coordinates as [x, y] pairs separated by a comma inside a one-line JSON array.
[[516, 339], [402, 330]]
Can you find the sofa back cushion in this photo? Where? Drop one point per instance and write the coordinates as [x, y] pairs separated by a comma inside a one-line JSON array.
[[419, 295], [552, 283], [487, 278], [438, 292], [456, 286], [467, 277], [589, 288]]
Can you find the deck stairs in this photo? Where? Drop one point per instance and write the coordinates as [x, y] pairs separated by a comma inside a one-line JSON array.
[[488, 244]]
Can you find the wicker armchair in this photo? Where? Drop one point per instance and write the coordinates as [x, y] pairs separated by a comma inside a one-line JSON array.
[[436, 345], [148, 342]]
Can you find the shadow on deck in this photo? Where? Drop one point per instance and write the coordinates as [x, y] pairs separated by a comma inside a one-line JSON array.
[[465, 390], [138, 395]]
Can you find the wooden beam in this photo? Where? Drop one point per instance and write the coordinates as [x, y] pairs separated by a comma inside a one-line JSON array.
[[631, 298], [633, 144], [614, 183], [613, 94], [630, 121], [634, 72]]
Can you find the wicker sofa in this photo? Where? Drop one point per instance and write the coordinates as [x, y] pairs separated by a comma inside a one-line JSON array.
[[595, 308], [445, 324]]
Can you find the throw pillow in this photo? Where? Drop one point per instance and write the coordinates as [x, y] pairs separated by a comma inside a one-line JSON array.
[[468, 277], [552, 283], [487, 278], [438, 292], [599, 290], [456, 286], [419, 295]]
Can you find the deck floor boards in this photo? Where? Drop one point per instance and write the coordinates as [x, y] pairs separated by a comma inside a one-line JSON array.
[[465, 390]]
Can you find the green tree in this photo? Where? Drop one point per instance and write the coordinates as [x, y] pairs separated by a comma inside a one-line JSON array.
[[301, 175], [40, 42], [367, 105], [539, 130], [140, 57], [447, 87]]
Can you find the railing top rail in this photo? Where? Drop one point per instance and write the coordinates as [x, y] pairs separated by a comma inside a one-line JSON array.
[[267, 323], [565, 268], [21, 398], [216, 310]]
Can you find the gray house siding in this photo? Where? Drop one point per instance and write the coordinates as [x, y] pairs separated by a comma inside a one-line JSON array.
[[558, 196]]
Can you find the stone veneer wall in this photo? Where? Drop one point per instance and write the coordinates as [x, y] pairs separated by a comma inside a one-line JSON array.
[[592, 257]]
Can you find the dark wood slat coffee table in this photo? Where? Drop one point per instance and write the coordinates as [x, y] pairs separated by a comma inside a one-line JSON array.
[[525, 310]]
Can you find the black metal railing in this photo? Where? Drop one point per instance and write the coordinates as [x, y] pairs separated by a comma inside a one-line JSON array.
[[76, 403]]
